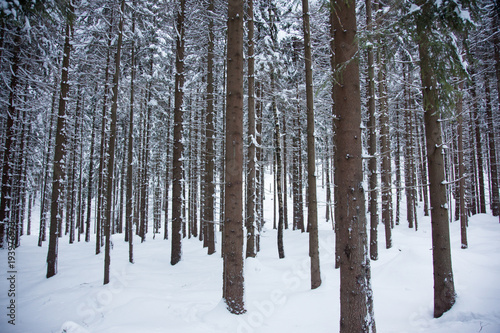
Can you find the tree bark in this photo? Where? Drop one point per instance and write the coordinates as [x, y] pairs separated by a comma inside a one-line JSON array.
[[111, 149], [479, 147], [177, 172], [312, 207], [208, 220], [59, 156], [372, 139], [356, 302], [444, 289], [461, 172], [5, 202], [233, 288], [251, 250], [495, 199], [129, 195]]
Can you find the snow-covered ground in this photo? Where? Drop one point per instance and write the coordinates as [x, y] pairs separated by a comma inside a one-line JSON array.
[[153, 296]]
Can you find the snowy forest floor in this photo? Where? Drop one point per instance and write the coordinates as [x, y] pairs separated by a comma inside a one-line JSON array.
[[153, 296]]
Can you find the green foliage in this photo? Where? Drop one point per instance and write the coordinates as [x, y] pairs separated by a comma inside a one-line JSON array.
[[445, 24]]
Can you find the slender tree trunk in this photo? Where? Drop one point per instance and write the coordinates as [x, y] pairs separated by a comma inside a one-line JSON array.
[[372, 139], [208, 210], [251, 250], [59, 155], [409, 185], [385, 150], [233, 288], [103, 151], [333, 64], [495, 199], [167, 172], [312, 208], [177, 172], [356, 302], [461, 173], [444, 289], [259, 175], [6, 199], [44, 203], [279, 170], [479, 147], [111, 149], [398, 167], [90, 181], [129, 195]]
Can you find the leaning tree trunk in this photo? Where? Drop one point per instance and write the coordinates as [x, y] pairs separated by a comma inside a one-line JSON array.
[[444, 288], [356, 302]]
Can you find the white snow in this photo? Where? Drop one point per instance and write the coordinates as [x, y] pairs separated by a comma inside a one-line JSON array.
[[153, 296]]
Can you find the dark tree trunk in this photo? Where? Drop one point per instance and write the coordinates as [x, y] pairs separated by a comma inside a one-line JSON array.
[[5, 202], [251, 250], [356, 303], [111, 150], [372, 139], [59, 156], [495, 199], [177, 172], [461, 173], [90, 181], [44, 202], [312, 208], [444, 289], [233, 288], [479, 147], [129, 195]]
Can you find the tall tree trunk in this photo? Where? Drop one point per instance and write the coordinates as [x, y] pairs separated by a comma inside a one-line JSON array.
[[111, 149], [409, 160], [479, 147], [385, 149], [397, 163], [251, 250], [5, 201], [177, 172], [495, 199], [167, 170], [59, 155], [90, 181], [356, 302], [279, 170], [461, 172], [208, 210], [233, 288], [312, 208], [44, 202], [372, 139], [103, 151], [129, 195], [444, 289]]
